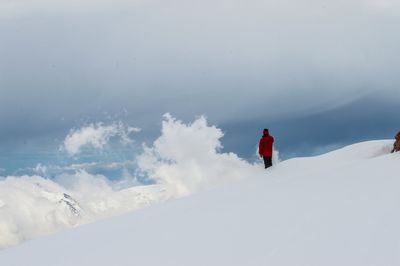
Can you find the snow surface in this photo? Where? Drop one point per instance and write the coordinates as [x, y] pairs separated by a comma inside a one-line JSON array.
[[341, 208]]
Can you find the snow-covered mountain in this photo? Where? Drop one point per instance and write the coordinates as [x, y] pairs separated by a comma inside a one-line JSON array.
[[31, 206], [341, 208]]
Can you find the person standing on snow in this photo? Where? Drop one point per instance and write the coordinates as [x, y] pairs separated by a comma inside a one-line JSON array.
[[396, 146], [265, 148]]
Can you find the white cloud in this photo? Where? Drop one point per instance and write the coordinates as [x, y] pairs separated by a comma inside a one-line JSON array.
[[186, 157], [97, 136]]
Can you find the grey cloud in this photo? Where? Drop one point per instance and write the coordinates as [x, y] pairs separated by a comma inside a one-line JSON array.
[[230, 60]]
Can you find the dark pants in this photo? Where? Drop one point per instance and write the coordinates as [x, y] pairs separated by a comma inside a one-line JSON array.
[[267, 161]]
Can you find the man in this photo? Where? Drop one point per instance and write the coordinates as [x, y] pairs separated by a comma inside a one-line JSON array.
[[265, 148], [396, 146]]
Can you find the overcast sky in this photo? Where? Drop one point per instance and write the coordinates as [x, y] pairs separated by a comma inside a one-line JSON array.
[[307, 69]]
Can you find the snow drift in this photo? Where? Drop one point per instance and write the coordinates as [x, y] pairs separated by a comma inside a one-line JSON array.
[[340, 208]]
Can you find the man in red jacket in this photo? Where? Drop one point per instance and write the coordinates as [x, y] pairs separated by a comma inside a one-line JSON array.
[[265, 148]]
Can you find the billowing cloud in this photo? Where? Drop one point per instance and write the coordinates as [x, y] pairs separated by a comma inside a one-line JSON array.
[[97, 136], [187, 157]]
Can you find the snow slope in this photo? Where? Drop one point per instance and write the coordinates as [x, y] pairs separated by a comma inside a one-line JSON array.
[[341, 208]]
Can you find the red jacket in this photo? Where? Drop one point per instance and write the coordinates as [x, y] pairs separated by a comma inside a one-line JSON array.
[[265, 146]]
